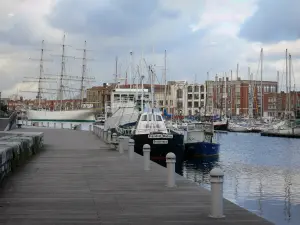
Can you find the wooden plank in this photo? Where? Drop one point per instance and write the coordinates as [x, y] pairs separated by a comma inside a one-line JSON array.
[[79, 180]]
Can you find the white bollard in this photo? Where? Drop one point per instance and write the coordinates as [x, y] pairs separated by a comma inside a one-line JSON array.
[[26, 123], [99, 132], [146, 153], [171, 160], [113, 141], [90, 127], [71, 125], [105, 135], [48, 124], [131, 149], [121, 147], [102, 133], [108, 137], [216, 180], [62, 126], [54, 125]]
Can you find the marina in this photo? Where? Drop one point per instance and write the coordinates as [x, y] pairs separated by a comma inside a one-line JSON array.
[[90, 184], [245, 159]]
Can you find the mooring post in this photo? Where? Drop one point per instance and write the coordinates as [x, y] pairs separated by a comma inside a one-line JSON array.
[[171, 160], [131, 149], [146, 153], [216, 181], [108, 137], [113, 141]]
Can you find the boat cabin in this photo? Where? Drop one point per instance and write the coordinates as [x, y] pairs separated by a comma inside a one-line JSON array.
[[151, 122]]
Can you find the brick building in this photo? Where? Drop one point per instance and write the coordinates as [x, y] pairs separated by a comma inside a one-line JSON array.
[[277, 104], [236, 97]]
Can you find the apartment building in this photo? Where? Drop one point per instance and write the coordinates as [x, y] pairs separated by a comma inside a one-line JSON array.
[[277, 104], [237, 97]]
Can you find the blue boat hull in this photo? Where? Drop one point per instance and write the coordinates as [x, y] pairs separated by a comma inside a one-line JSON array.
[[202, 149]]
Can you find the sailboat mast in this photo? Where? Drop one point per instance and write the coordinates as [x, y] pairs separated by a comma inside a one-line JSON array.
[[165, 79], [276, 115], [83, 74], [130, 71], [39, 94], [261, 84], [286, 81], [60, 91], [116, 71], [225, 94], [290, 82], [206, 91], [231, 96], [237, 77]]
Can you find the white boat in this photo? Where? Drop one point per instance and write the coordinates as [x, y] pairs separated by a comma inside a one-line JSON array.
[[80, 115], [234, 127]]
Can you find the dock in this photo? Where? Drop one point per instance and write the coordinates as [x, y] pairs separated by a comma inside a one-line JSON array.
[[278, 134], [79, 179]]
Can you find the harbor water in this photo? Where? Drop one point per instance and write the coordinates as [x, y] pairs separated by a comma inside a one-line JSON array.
[[262, 174]]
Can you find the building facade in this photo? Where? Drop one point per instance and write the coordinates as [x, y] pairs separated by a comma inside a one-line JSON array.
[[237, 97], [220, 96], [278, 104]]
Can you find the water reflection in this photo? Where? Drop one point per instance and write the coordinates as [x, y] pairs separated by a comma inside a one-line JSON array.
[[262, 174]]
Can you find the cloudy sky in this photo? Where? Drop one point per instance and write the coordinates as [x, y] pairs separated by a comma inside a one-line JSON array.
[[199, 36]]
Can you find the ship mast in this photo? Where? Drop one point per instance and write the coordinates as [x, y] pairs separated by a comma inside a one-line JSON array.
[[83, 77], [61, 87], [40, 79]]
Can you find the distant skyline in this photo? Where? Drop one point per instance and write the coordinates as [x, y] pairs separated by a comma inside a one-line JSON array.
[[199, 36]]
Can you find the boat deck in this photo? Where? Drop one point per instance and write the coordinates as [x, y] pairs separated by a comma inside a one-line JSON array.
[[77, 179]]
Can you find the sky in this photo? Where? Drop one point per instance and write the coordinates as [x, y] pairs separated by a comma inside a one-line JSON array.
[[199, 36]]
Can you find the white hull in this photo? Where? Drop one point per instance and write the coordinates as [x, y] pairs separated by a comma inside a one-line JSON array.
[[82, 115]]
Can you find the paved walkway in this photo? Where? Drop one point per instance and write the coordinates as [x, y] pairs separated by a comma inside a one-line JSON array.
[[78, 180]]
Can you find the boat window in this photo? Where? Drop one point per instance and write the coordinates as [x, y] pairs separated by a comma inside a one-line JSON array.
[[144, 117], [158, 118]]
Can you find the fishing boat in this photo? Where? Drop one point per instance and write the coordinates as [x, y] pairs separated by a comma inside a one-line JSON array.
[[199, 139], [151, 129]]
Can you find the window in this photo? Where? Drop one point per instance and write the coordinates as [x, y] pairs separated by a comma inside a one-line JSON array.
[[161, 102], [196, 104], [144, 118], [190, 96], [202, 96], [196, 89], [158, 118], [201, 88], [190, 105], [196, 96], [179, 93], [190, 89]]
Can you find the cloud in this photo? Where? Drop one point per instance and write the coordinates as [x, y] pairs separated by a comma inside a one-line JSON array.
[[199, 36], [117, 18], [273, 21]]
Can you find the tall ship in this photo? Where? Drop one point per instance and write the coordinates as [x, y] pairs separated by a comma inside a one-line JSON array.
[[80, 112]]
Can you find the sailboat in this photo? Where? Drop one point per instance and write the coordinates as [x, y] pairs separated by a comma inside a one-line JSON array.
[[63, 115]]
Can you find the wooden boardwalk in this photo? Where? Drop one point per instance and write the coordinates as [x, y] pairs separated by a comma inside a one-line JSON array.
[[78, 180]]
